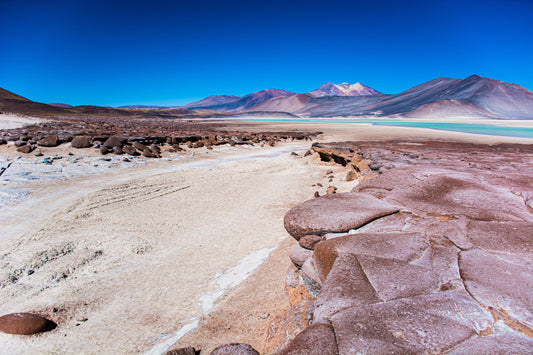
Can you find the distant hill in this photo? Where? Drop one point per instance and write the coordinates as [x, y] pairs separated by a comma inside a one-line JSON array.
[[245, 103], [13, 103], [344, 89], [10, 102], [212, 101], [59, 104]]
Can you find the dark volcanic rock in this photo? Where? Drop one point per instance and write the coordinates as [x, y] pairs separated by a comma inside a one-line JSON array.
[[114, 141], [26, 149], [234, 349], [141, 147], [25, 324], [335, 213], [150, 153], [82, 142], [49, 141], [103, 150], [128, 149]]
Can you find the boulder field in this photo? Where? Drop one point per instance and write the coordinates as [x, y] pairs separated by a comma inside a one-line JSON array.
[[136, 136], [431, 252]]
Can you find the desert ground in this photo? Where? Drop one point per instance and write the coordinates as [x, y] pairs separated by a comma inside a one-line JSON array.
[[148, 255]]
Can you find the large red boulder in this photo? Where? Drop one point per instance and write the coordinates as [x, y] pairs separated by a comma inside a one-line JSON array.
[[335, 213]]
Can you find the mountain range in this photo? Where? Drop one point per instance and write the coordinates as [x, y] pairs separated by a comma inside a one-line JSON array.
[[472, 97]]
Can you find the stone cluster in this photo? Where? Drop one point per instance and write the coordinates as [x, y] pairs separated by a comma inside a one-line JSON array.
[[136, 136]]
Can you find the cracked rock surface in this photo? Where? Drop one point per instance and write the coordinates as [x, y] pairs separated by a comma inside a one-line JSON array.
[[433, 251]]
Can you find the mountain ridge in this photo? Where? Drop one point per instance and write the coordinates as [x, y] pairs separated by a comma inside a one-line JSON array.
[[471, 97]]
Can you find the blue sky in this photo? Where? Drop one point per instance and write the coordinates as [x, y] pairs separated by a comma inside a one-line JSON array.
[[174, 52]]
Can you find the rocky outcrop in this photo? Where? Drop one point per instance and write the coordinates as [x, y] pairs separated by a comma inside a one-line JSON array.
[[433, 254]]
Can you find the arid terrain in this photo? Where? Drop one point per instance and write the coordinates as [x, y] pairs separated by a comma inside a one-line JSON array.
[[144, 254]]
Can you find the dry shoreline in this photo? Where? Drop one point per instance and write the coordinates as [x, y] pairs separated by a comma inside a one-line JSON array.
[[121, 259]]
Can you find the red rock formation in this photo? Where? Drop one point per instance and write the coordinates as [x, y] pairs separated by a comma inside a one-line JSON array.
[[439, 256]]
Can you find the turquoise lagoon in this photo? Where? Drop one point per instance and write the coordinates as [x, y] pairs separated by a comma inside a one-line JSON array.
[[465, 127]]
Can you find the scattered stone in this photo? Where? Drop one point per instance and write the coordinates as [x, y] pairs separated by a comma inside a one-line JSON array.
[[25, 324], [155, 148], [128, 149], [81, 142], [103, 150], [234, 349], [38, 153], [26, 149], [351, 176], [331, 190], [319, 184], [141, 147], [49, 141], [19, 143], [114, 141], [316, 194], [150, 154], [329, 172], [117, 150], [126, 160], [308, 153], [294, 154]]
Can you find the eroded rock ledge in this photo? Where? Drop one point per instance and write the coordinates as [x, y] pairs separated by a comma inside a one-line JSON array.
[[432, 252]]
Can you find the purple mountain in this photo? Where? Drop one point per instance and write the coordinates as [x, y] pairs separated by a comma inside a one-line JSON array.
[[243, 103]]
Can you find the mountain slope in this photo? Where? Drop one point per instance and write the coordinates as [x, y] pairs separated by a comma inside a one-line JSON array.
[[291, 103], [13, 103], [248, 101], [448, 109], [497, 98], [211, 101], [343, 89]]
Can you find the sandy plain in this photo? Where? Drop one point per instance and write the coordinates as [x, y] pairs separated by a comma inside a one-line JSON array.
[[142, 257]]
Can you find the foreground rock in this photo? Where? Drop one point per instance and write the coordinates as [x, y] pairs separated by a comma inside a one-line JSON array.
[[335, 213], [25, 324], [438, 257]]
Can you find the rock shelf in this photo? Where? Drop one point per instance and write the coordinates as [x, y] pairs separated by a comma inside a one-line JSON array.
[[431, 252]]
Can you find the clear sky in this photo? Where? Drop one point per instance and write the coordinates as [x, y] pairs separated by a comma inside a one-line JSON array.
[[106, 52]]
